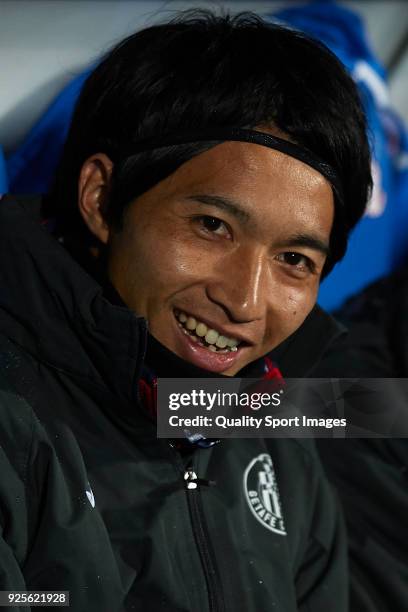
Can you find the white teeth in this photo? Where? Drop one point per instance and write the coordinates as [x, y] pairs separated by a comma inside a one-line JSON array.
[[191, 323], [222, 342], [212, 348], [201, 330], [211, 336]]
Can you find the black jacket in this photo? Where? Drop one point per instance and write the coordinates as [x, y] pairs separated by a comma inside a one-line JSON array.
[[93, 503], [372, 474]]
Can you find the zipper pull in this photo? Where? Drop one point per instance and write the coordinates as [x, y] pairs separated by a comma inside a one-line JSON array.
[[192, 481]]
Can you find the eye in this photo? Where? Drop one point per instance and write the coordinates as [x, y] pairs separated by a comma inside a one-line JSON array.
[[297, 261], [214, 225]]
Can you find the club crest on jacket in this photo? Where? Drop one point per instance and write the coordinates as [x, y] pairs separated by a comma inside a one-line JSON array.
[[262, 494]]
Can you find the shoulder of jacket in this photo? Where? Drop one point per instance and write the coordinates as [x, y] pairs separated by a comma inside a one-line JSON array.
[[20, 428], [378, 301]]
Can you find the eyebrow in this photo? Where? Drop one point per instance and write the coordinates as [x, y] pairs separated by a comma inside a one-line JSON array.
[[222, 203], [309, 241]]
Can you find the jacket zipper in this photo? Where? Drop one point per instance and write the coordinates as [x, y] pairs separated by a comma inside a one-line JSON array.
[[214, 588]]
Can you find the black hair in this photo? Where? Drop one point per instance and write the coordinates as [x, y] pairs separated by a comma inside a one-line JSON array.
[[203, 71]]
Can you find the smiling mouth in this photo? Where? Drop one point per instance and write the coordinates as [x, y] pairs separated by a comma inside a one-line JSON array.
[[205, 336]]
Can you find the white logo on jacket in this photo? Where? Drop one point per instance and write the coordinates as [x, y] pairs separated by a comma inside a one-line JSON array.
[[262, 494], [90, 495]]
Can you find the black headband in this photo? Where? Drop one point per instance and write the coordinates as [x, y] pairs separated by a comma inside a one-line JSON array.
[[244, 135]]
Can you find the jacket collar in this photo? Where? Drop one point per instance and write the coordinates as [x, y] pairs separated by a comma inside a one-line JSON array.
[[299, 354], [56, 311]]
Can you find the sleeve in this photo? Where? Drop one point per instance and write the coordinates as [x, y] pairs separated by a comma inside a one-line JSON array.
[[322, 581], [11, 577], [51, 536], [375, 500], [15, 443]]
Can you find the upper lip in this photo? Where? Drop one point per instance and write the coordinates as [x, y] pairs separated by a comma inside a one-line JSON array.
[[218, 327]]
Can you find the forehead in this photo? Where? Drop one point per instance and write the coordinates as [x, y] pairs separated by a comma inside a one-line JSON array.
[[267, 184]]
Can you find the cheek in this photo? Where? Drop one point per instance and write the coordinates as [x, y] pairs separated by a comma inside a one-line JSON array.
[[299, 303], [164, 261], [289, 312]]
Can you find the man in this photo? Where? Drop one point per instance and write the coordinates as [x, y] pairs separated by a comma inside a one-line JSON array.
[[212, 172]]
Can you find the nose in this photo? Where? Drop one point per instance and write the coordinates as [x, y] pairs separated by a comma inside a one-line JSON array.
[[242, 285]]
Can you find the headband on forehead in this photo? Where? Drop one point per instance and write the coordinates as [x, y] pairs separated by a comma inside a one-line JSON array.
[[244, 135]]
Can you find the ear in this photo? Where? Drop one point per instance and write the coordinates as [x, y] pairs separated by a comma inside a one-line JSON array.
[[93, 191]]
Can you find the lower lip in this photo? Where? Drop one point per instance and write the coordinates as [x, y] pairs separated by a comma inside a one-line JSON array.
[[202, 357]]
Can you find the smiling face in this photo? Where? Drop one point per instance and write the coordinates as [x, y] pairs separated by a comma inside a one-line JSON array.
[[224, 257]]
